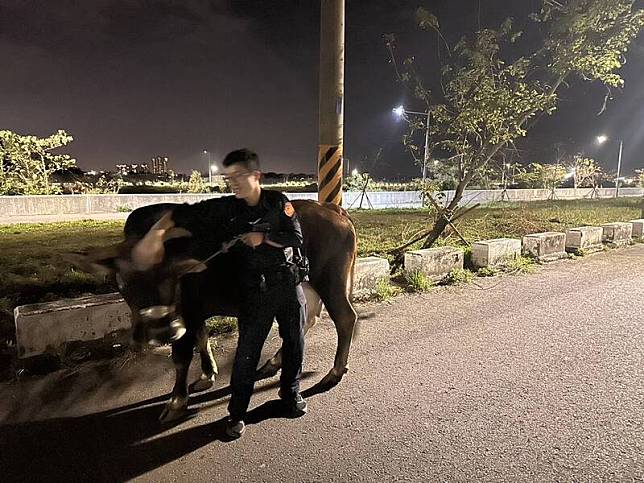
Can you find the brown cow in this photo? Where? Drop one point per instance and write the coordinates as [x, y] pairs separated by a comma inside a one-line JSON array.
[[171, 294]]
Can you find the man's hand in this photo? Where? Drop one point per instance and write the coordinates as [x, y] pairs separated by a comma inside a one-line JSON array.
[[253, 239]]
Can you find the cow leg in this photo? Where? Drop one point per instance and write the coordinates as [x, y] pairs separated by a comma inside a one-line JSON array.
[[177, 406], [344, 316], [208, 364], [313, 311]]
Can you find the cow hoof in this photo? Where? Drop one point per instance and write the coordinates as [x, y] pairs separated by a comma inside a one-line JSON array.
[[267, 370], [333, 378], [203, 384], [175, 409]]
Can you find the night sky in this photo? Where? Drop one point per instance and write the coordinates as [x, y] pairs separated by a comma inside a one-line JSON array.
[[130, 79]]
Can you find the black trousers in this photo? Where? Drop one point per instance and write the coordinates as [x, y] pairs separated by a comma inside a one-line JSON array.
[[279, 299]]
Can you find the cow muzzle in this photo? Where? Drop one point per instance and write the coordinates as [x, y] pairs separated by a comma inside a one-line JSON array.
[[160, 324]]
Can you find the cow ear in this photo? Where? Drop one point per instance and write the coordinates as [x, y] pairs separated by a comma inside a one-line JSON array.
[[188, 265], [101, 261]]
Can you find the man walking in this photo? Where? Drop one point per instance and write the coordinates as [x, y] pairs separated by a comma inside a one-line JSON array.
[[270, 287]]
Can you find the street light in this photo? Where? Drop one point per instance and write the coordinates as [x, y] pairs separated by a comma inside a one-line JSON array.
[[400, 111], [601, 139], [205, 151], [355, 172]]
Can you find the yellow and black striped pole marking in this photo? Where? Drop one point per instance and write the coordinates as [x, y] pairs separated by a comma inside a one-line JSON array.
[[330, 174]]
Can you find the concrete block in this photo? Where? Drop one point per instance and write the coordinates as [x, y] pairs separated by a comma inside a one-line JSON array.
[[545, 247], [638, 229], [47, 327], [617, 234], [435, 263], [586, 238], [492, 253], [368, 273]]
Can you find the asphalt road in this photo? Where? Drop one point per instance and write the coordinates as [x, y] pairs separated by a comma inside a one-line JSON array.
[[535, 377]]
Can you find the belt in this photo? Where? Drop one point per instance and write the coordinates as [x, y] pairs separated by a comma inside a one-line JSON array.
[[267, 277]]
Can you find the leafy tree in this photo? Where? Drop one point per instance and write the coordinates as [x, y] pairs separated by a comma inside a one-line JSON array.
[[587, 171], [491, 95], [357, 181], [639, 173], [528, 178], [196, 183], [542, 176], [103, 185], [27, 163]]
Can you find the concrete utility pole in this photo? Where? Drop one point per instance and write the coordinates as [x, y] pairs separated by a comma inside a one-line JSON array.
[[426, 153], [619, 167], [331, 101]]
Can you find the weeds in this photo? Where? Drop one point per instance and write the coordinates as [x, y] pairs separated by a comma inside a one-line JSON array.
[[521, 265], [486, 272], [417, 281], [385, 290], [458, 276], [221, 325]]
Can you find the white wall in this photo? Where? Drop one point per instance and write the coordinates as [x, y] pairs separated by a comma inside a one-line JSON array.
[[85, 204]]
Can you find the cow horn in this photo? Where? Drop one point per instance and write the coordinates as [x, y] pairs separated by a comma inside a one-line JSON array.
[[149, 250], [176, 232], [164, 223], [96, 260], [104, 253]]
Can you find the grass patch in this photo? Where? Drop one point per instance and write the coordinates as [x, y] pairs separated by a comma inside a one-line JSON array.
[[385, 290], [33, 269], [458, 276], [382, 230], [416, 281], [521, 265], [221, 325], [486, 272]]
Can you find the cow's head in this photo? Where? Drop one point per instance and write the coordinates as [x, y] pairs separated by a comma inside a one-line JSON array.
[[148, 279]]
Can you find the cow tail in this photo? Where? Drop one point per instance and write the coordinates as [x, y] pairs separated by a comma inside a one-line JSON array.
[[351, 276]]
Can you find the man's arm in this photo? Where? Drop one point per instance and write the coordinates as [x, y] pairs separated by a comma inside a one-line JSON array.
[[289, 231]]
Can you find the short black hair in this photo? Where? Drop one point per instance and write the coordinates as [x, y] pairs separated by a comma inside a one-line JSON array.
[[245, 157]]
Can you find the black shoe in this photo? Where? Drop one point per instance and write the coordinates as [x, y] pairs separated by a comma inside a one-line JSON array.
[[234, 428], [295, 406]]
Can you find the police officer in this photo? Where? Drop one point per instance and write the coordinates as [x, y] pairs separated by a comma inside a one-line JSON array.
[[270, 288]]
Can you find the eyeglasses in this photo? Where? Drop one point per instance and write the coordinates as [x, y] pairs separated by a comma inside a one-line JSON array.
[[236, 177]]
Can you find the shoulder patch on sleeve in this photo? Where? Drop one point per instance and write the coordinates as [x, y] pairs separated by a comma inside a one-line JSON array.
[[288, 209]]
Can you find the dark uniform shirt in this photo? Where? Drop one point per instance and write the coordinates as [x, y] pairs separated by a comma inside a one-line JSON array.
[[274, 211], [220, 219]]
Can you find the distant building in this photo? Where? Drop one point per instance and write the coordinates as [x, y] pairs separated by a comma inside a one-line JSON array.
[[125, 169], [122, 169], [159, 165]]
